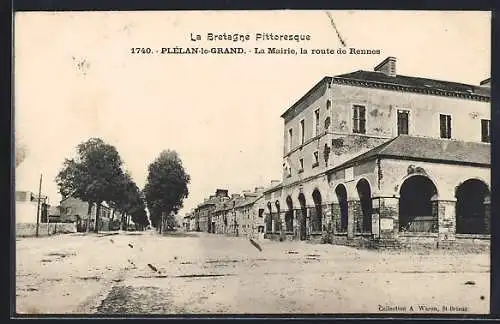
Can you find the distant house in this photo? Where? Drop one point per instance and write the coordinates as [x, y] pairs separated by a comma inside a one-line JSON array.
[[75, 210], [54, 213], [186, 224], [204, 211], [27, 207]]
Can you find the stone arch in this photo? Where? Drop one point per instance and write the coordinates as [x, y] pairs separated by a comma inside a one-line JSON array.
[[365, 198], [302, 217], [289, 214], [426, 175], [341, 192], [472, 212], [417, 193], [317, 216]]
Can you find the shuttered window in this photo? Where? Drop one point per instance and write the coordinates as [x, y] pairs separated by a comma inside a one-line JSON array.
[[485, 130], [358, 119], [445, 125], [403, 116]]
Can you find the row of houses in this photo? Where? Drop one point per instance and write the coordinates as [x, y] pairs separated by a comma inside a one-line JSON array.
[[377, 156], [69, 210], [238, 214]]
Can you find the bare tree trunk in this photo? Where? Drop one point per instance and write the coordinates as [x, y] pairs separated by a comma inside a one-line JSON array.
[[98, 211], [89, 213]]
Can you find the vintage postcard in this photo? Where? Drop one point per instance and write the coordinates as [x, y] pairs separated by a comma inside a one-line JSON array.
[[252, 162]]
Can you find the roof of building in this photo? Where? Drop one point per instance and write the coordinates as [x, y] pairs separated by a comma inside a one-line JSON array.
[[428, 149], [248, 200], [416, 82], [273, 188], [54, 211], [209, 201]]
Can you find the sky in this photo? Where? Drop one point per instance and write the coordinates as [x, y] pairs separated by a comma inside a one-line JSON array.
[[75, 78]]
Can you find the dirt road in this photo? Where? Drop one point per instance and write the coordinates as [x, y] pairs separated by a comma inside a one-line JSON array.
[[145, 273]]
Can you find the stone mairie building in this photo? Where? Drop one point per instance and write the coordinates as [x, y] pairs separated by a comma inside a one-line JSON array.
[[378, 156]]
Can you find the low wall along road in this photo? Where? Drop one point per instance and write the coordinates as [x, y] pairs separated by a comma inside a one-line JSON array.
[[29, 229]]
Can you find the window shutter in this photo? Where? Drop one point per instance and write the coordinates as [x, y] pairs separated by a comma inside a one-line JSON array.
[[362, 120], [448, 126], [355, 119], [485, 130], [362, 112]]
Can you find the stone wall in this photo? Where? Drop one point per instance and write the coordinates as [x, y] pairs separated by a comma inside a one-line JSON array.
[[29, 229]]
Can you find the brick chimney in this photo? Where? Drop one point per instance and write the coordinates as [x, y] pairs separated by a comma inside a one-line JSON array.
[[486, 83], [387, 66]]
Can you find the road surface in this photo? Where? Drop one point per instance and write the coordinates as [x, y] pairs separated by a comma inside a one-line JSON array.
[[200, 273]]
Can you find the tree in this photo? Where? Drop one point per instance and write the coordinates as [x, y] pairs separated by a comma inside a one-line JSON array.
[[166, 186], [93, 175], [130, 201], [21, 151], [139, 215]]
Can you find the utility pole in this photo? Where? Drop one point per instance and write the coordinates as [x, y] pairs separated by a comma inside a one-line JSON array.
[[38, 206], [46, 214]]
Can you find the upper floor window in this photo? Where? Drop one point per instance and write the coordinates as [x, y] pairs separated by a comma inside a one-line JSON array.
[[301, 164], [290, 136], [261, 212], [315, 159], [328, 104], [358, 119], [302, 131], [485, 130], [445, 126], [316, 122], [403, 117]]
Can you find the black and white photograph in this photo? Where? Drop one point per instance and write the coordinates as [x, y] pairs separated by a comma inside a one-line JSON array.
[[252, 162]]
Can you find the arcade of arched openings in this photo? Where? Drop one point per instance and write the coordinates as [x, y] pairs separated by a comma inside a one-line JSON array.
[[418, 204]]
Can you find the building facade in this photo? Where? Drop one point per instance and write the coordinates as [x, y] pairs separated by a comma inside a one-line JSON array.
[[249, 213], [75, 210], [204, 212], [377, 155], [186, 223], [235, 215], [27, 208]]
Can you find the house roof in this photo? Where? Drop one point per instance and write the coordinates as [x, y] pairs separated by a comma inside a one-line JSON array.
[[248, 201], [416, 82], [210, 201], [54, 211], [427, 149]]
